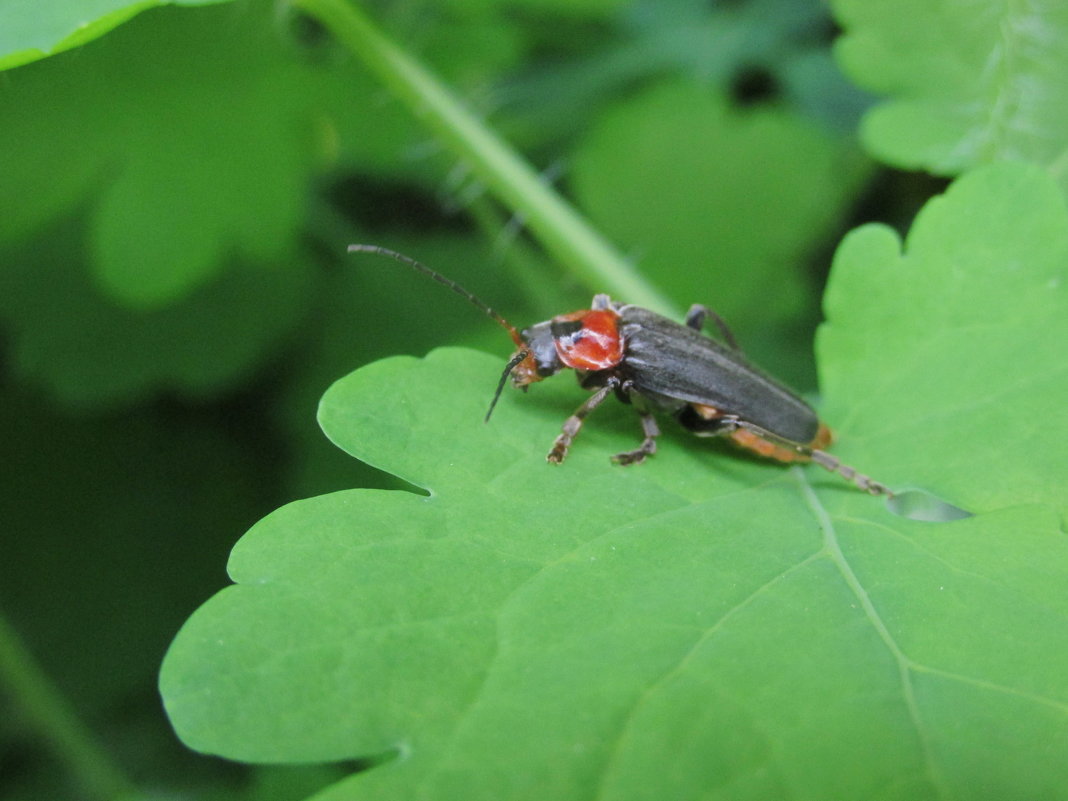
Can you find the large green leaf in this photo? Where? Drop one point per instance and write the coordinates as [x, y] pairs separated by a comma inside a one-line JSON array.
[[966, 83], [702, 626]]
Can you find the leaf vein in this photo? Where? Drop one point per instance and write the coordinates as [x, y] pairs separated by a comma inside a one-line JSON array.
[[905, 665], [705, 635]]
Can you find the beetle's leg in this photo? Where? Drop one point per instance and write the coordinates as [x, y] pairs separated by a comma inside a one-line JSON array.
[[822, 458], [648, 446], [695, 319], [574, 422], [707, 422], [649, 428], [866, 483]]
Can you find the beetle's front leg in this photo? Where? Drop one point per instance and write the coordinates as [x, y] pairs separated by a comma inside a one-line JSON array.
[[574, 422]]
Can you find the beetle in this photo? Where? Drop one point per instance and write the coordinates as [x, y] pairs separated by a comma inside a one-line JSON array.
[[654, 363]]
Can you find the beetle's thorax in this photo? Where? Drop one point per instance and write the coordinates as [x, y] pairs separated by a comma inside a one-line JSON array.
[[588, 340]]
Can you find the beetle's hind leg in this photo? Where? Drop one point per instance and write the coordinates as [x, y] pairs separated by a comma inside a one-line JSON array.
[[786, 450], [866, 483], [705, 421]]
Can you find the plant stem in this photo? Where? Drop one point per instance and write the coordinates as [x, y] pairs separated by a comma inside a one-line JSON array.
[[53, 718], [561, 230]]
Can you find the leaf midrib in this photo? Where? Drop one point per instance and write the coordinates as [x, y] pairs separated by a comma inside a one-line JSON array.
[[905, 665]]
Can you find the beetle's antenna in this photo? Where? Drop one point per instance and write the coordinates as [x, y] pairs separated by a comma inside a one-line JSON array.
[[504, 377], [455, 287]]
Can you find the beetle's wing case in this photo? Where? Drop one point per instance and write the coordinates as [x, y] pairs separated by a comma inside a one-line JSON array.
[[676, 365]]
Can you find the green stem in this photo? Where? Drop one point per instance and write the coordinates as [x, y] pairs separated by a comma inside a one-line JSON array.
[[561, 230], [52, 717]]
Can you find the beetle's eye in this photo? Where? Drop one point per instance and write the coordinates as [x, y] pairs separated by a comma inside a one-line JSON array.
[[564, 328]]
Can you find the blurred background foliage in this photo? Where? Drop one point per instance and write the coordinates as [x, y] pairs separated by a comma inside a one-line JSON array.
[[175, 296]]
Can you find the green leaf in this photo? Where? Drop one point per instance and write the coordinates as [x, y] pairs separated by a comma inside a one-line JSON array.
[[966, 83], [981, 283], [187, 136], [734, 205], [33, 29], [703, 625]]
